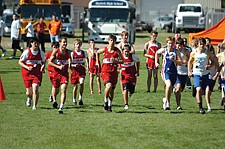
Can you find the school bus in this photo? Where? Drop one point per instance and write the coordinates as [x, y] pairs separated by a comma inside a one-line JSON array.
[[106, 17], [36, 9]]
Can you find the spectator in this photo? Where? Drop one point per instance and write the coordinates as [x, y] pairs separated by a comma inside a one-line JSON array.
[[94, 69], [41, 32], [55, 27], [30, 32], [150, 48], [2, 24], [15, 35]]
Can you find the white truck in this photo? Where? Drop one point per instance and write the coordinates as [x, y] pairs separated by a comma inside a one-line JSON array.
[[67, 19], [189, 17]]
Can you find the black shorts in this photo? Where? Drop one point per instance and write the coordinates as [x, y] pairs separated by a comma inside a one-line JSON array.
[[15, 44], [130, 87]]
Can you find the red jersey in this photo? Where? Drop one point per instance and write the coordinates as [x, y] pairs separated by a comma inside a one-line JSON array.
[[108, 65], [41, 27], [78, 71], [34, 61], [62, 59], [128, 70], [152, 49], [78, 59], [92, 63], [50, 68]]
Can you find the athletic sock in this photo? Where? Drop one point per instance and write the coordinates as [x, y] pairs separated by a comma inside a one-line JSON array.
[[167, 104], [61, 106], [105, 99], [109, 103], [200, 105], [208, 105], [80, 98]]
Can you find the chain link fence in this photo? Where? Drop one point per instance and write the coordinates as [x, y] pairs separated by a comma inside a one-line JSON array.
[[213, 16]]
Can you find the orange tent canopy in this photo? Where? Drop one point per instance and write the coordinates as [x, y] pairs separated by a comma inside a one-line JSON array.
[[216, 33]]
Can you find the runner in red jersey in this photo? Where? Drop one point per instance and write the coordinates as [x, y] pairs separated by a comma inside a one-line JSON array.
[[112, 57], [94, 69], [54, 45], [150, 49], [129, 73], [33, 64], [124, 36], [78, 71], [60, 61]]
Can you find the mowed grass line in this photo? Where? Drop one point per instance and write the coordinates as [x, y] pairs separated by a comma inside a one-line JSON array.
[[143, 125]]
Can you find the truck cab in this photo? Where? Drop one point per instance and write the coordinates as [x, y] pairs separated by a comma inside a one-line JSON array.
[[189, 17]]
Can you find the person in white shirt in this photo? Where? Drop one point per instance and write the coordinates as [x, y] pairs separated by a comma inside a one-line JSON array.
[[30, 32], [2, 24], [15, 35]]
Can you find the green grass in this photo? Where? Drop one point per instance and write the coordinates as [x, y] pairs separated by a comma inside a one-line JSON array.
[[144, 125]]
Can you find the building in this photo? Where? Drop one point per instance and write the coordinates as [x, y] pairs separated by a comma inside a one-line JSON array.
[[148, 9], [79, 6]]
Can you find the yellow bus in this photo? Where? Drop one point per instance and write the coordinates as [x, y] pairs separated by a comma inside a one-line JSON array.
[[36, 9]]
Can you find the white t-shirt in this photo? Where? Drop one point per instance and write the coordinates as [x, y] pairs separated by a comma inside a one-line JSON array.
[[15, 29], [2, 25], [30, 30], [25, 55]]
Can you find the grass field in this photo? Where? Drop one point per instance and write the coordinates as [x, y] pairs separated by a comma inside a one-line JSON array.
[[144, 125]]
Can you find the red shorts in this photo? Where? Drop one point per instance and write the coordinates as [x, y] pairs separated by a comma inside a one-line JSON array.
[[95, 70], [32, 79], [59, 79], [110, 77], [150, 65], [77, 74], [128, 79], [50, 74]]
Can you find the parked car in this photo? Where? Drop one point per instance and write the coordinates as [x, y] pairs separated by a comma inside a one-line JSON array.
[[68, 27], [163, 22], [7, 19], [143, 26]]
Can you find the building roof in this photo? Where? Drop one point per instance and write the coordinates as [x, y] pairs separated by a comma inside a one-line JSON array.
[[78, 3]]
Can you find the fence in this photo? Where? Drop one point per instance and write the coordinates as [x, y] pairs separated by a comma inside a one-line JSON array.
[[213, 16]]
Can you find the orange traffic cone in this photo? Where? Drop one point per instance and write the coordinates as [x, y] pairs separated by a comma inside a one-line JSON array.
[[2, 94]]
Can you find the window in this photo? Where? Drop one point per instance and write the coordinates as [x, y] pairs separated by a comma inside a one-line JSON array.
[[109, 15]]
